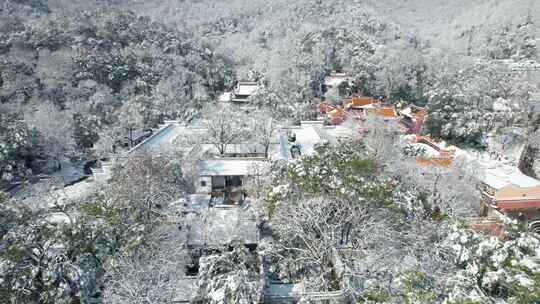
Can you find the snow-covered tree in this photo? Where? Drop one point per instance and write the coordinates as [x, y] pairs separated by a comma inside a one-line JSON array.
[[224, 126], [16, 145], [262, 130], [143, 187], [153, 274], [309, 233], [492, 269], [55, 129], [230, 277]]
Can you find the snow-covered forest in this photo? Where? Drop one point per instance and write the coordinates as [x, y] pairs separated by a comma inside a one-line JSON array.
[[79, 78]]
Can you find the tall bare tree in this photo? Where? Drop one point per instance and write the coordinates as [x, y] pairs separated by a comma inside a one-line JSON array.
[[144, 185], [311, 231], [262, 130], [56, 128], [224, 126], [155, 274], [381, 139]]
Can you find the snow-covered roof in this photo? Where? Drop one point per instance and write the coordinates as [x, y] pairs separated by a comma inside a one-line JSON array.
[[57, 218], [219, 226], [458, 153], [225, 97], [413, 111], [338, 132], [229, 166], [280, 290], [428, 150], [246, 88], [335, 79], [370, 106], [138, 134], [499, 176], [406, 112], [307, 136], [163, 139], [230, 224]]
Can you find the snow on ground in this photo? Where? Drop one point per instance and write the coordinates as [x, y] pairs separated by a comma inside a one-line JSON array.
[[507, 145], [78, 191], [283, 290], [221, 225], [501, 105], [307, 136], [49, 193], [185, 289], [58, 218]]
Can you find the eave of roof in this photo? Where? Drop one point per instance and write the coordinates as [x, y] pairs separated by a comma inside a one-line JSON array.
[[230, 166]]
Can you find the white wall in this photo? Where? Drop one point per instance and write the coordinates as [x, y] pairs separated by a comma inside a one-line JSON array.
[[207, 188]]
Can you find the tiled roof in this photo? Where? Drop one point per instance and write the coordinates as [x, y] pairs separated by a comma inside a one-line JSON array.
[[414, 112], [386, 112], [439, 162], [246, 88], [335, 79], [498, 176], [362, 101], [229, 167]]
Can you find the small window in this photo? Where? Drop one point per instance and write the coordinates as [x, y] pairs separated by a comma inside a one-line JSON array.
[[203, 183]]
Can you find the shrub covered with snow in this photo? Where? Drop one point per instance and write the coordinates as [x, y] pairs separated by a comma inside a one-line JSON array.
[[232, 277], [506, 269], [345, 171]]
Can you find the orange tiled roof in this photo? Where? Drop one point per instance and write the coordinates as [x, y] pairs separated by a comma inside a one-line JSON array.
[[362, 101], [439, 162], [447, 153], [386, 112], [337, 115], [337, 112]]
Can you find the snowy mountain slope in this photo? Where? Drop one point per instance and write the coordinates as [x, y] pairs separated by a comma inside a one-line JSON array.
[[465, 25]]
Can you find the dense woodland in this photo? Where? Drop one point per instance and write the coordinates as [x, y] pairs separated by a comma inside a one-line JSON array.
[[75, 76], [102, 69]]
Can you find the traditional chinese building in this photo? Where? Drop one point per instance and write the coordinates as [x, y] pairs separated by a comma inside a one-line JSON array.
[[243, 91], [508, 191], [413, 117], [387, 113]]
